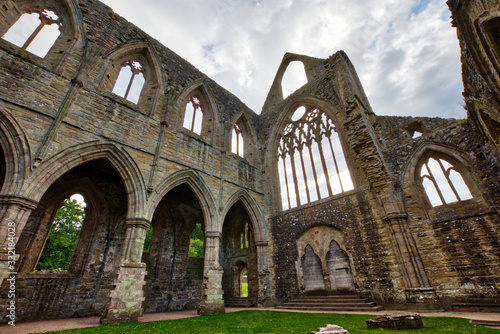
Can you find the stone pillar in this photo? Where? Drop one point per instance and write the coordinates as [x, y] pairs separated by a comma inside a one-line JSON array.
[[265, 297], [406, 251], [126, 298], [419, 292], [14, 213], [211, 298]]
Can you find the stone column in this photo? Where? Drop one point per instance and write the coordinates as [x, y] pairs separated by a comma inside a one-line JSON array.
[[14, 213], [126, 298], [419, 292], [211, 298], [265, 297]]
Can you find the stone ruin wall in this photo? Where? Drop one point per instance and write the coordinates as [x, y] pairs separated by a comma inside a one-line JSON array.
[[403, 253]]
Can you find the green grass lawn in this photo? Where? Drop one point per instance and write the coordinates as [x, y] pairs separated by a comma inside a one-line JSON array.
[[280, 322], [244, 289]]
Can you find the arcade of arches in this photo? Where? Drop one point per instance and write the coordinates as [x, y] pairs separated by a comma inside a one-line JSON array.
[[316, 195]]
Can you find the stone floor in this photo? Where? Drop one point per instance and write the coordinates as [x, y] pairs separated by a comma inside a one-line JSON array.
[[61, 324]]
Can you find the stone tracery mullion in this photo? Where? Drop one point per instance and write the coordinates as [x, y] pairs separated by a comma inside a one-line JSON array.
[[447, 176], [433, 180], [335, 163]]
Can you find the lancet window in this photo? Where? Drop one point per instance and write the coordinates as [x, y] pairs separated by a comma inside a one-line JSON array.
[[311, 161], [237, 142], [130, 81], [193, 116], [442, 183], [35, 31]]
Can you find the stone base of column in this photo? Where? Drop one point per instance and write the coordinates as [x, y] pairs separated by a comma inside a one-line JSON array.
[[126, 299], [211, 300]]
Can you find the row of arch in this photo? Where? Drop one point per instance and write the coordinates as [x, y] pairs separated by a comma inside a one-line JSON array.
[[132, 72]]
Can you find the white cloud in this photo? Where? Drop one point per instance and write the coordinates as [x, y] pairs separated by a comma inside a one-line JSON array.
[[405, 52]]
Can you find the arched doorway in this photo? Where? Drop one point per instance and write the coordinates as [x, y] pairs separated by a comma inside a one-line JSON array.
[[238, 254], [339, 269], [314, 283], [174, 278], [86, 281]]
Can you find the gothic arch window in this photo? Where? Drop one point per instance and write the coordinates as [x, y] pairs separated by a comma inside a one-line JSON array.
[[130, 81], [193, 115], [237, 141], [311, 161], [442, 182], [35, 31]]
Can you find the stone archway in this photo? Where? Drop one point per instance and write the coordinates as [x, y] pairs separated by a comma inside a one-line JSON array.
[[86, 284], [174, 280], [339, 269], [239, 251]]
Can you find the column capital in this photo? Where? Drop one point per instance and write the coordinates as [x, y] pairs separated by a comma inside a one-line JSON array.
[[213, 234], [19, 200], [138, 222], [395, 216]]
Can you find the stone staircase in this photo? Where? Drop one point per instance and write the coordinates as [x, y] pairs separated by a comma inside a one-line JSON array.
[[331, 303], [238, 302]]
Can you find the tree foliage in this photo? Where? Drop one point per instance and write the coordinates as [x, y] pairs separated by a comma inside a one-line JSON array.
[[196, 242], [63, 235]]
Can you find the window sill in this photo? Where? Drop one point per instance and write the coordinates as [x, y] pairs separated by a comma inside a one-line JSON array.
[[123, 101], [458, 210], [321, 201]]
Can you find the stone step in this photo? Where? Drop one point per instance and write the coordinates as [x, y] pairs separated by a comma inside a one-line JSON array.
[[333, 308], [334, 304], [237, 302], [331, 303]]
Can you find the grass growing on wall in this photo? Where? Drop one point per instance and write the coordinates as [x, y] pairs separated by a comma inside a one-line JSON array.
[[269, 322]]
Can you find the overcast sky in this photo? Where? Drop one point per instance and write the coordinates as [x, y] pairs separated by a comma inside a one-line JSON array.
[[405, 52]]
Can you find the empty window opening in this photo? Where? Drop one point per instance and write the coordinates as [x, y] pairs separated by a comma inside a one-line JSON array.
[[63, 235], [311, 161], [196, 242], [130, 81], [244, 282], [416, 134], [245, 237], [193, 116], [294, 78], [237, 142], [442, 183], [35, 31]]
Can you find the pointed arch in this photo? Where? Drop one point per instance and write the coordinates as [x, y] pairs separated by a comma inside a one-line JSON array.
[[426, 150], [14, 145], [50, 170], [249, 137], [154, 78], [197, 185], [71, 31], [211, 115], [256, 216], [325, 168]]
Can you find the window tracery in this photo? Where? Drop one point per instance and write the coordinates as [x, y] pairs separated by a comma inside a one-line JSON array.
[[442, 183], [193, 116], [35, 31], [237, 143], [311, 161], [130, 81]]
